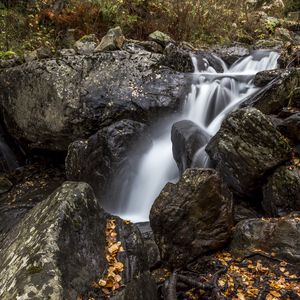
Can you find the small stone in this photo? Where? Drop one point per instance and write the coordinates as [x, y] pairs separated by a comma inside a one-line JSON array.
[[160, 38], [113, 40]]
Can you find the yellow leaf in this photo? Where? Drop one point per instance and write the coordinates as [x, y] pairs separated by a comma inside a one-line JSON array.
[[102, 282], [241, 296], [275, 294], [119, 266]]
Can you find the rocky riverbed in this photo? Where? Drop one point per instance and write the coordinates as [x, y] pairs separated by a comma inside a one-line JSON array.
[[231, 231]]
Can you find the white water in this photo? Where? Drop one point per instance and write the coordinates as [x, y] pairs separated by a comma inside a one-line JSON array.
[[213, 95]]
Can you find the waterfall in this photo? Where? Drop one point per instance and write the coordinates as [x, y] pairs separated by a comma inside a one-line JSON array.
[[213, 95]]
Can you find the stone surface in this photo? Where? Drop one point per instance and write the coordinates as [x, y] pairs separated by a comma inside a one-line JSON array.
[[231, 54], [49, 104], [100, 158], [86, 45], [160, 38], [290, 127], [278, 236], [151, 46], [275, 96], [192, 217], [180, 59], [295, 98], [264, 77], [245, 148], [58, 250], [5, 184], [113, 40], [281, 193], [31, 185], [187, 138]]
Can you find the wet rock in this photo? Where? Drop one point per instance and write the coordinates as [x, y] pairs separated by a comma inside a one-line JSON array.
[[187, 138], [101, 157], [264, 77], [243, 211], [278, 236], [295, 98], [49, 104], [150, 245], [290, 127], [231, 54], [275, 96], [245, 148], [58, 250], [5, 184], [160, 38], [180, 59], [113, 40], [192, 217], [281, 193], [29, 186]]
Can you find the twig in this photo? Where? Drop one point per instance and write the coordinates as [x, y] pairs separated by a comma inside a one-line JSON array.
[[195, 283], [171, 290]]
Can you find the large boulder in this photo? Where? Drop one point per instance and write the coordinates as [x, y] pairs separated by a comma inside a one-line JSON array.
[[245, 148], [58, 250], [49, 104], [192, 217], [273, 97], [281, 193], [99, 159], [279, 237], [187, 138], [180, 59]]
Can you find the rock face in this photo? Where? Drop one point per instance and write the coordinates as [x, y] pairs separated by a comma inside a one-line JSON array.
[[113, 40], [192, 217], [282, 192], [187, 138], [264, 77], [245, 148], [86, 45], [57, 250], [290, 127], [295, 98], [180, 59], [280, 236], [49, 104], [160, 38], [98, 159], [275, 96]]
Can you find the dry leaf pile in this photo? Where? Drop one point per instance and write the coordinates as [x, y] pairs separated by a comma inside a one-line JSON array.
[[113, 278], [257, 277], [248, 278]]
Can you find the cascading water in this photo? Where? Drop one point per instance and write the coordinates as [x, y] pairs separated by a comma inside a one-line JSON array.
[[213, 95]]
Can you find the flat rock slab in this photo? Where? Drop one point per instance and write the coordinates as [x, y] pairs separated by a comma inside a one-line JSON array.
[[279, 236]]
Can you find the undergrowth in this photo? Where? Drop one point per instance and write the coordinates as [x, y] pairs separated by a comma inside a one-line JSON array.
[[28, 24]]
